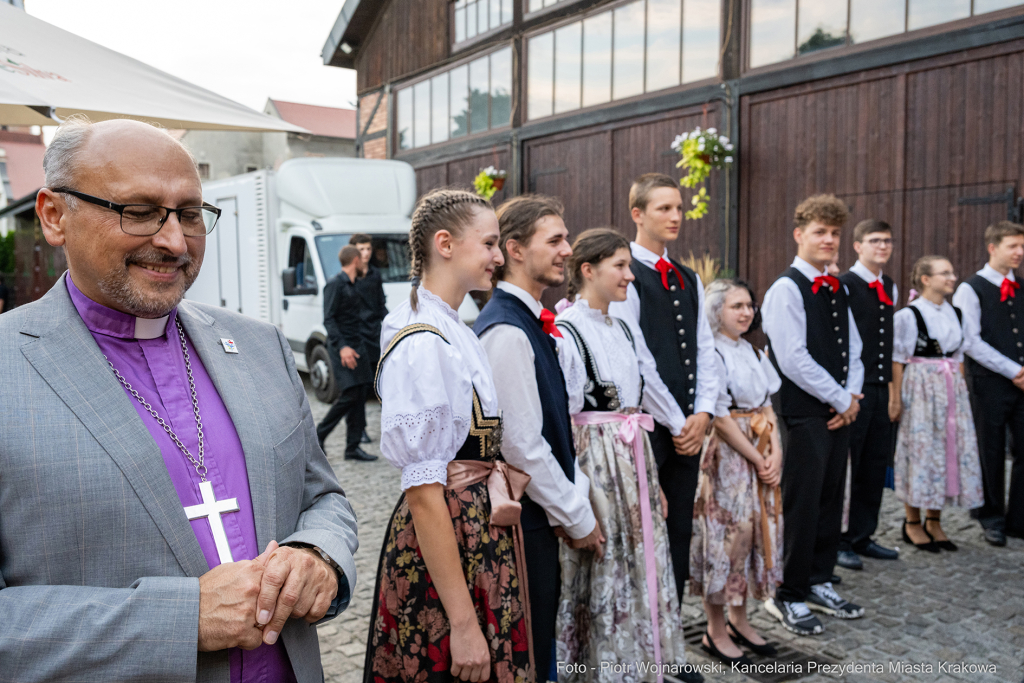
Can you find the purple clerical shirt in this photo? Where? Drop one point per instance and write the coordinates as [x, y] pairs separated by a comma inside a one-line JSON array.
[[148, 355]]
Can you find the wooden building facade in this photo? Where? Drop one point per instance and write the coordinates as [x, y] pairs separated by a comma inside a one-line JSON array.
[[910, 110]]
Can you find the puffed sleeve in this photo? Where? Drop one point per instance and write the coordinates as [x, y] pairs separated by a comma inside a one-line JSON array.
[[904, 336], [724, 401], [772, 375], [573, 371], [426, 408]]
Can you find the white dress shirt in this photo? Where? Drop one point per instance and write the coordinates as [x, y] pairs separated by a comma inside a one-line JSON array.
[[966, 299], [785, 323], [426, 390], [566, 504], [749, 377], [707, 380], [618, 363], [942, 325], [867, 276]]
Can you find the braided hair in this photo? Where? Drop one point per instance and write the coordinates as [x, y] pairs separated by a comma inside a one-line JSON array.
[[443, 209], [922, 269]]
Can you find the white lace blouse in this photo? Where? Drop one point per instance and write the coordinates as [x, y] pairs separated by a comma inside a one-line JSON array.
[[942, 324], [616, 362], [749, 377], [426, 390]]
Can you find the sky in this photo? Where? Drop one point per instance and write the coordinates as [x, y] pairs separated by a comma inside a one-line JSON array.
[[246, 50]]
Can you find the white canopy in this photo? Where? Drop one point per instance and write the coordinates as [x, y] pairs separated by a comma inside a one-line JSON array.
[[47, 73]]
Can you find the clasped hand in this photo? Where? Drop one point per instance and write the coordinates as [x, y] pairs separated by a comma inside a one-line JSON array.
[[243, 604], [848, 416], [690, 440]]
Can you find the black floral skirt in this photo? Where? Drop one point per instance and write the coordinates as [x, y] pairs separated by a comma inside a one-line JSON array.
[[409, 630]]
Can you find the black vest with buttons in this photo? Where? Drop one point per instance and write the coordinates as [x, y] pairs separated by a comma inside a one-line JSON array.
[[874, 322], [999, 324], [828, 342], [668, 319]]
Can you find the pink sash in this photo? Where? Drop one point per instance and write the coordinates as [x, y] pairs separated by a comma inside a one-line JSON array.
[[949, 368]]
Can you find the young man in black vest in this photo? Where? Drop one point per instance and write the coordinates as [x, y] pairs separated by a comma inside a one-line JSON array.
[[815, 345], [371, 288], [995, 377], [872, 297], [664, 306], [525, 350]]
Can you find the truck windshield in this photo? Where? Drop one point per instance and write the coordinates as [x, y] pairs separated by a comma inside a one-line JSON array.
[[390, 255]]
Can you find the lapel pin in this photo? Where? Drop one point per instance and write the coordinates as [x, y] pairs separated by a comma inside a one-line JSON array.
[[229, 345]]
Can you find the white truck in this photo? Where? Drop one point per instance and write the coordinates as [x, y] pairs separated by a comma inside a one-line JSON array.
[[277, 242]]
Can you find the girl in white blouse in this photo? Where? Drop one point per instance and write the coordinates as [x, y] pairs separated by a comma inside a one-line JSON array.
[[936, 462], [737, 527], [620, 605], [449, 570]]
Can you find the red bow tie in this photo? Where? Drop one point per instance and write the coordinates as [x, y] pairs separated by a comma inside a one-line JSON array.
[[663, 267], [1008, 288], [827, 280], [548, 319], [880, 290]]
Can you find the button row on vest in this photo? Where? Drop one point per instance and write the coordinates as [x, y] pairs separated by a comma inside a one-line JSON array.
[[844, 354], [690, 376], [882, 319], [682, 332], [881, 331], [679, 317], [881, 343], [683, 345], [834, 314], [690, 407], [1015, 330], [844, 368], [836, 328], [840, 340], [881, 355], [672, 288], [833, 302], [881, 307], [686, 362], [881, 379], [676, 303]]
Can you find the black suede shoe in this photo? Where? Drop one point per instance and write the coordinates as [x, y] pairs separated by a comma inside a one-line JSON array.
[[360, 454], [878, 552], [849, 560], [996, 537]]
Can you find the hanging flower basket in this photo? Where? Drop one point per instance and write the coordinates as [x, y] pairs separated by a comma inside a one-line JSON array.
[[702, 151], [488, 181]]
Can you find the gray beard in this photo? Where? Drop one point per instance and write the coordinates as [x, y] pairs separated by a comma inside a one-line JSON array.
[[118, 286]]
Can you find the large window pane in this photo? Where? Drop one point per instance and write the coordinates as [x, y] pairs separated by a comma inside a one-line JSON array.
[[471, 20], [921, 13], [501, 88], [822, 24], [597, 59], [772, 31], [460, 22], [458, 87], [481, 16], [506, 11], [439, 108], [421, 114], [982, 6], [536, 5], [405, 119], [628, 59], [664, 27], [702, 25], [568, 63], [539, 75], [495, 14], [873, 19], [479, 91]]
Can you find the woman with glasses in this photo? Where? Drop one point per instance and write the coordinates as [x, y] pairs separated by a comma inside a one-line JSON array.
[[937, 460], [736, 550]]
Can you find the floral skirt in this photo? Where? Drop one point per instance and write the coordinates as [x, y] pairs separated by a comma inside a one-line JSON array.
[[604, 615], [409, 630], [920, 462], [729, 545]]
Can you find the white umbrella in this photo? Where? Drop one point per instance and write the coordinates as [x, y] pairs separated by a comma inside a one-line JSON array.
[[48, 73]]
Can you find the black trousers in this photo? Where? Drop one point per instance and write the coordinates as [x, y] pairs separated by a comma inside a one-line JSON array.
[[678, 476], [997, 405], [813, 481], [352, 398], [870, 447], [544, 577], [355, 419]]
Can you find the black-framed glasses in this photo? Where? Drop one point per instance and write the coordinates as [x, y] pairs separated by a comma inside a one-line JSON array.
[[142, 220]]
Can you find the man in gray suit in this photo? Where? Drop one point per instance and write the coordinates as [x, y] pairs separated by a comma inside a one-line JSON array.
[[150, 448]]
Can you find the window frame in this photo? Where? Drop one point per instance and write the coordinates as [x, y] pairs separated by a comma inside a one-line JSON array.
[[469, 43], [559, 4]]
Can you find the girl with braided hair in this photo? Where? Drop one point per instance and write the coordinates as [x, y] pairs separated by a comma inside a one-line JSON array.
[[451, 596]]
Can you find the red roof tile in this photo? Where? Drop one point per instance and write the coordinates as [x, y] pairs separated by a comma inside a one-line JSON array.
[[327, 121]]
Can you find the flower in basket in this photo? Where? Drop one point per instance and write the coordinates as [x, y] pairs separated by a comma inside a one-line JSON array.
[[488, 181], [702, 151]]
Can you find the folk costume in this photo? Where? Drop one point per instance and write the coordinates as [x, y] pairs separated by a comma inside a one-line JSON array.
[[664, 308], [815, 345], [937, 451], [995, 354], [737, 530], [623, 606], [871, 299], [531, 370], [440, 423]]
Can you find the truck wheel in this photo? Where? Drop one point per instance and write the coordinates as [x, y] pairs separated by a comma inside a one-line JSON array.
[[321, 374]]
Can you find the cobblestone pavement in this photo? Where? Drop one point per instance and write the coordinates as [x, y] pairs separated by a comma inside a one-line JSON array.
[[961, 608]]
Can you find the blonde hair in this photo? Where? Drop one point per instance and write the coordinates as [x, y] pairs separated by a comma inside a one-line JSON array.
[[923, 269], [824, 208]]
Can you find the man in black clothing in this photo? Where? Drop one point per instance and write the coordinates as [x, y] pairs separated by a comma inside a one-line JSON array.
[[370, 286], [351, 341]]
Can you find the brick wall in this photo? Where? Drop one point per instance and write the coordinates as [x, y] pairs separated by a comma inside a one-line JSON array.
[[377, 147]]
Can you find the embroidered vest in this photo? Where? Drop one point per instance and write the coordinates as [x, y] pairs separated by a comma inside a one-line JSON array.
[[874, 322]]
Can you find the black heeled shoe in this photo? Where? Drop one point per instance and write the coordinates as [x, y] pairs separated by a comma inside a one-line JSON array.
[[943, 545], [765, 650], [715, 652], [930, 546]]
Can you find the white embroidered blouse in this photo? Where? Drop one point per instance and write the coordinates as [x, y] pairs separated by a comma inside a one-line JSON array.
[[943, 327], [617, 362], [745, 376], [426, 390]]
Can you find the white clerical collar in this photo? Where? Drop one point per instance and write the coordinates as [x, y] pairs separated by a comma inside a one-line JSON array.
[[645, 255], [864, 272], [807, 270], [150, 328], [518, 292], [994, 276]]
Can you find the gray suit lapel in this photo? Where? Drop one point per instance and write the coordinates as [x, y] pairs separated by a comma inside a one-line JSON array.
[[243, 400], [67, 357]]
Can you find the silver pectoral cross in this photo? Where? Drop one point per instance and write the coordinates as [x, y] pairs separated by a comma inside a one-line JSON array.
[[211, 508]]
